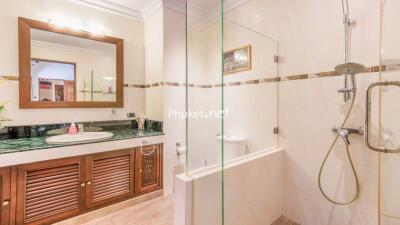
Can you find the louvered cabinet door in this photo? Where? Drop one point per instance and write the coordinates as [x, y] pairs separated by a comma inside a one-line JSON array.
[[5, 196], [109, 177], [50, 191], [148, 169]]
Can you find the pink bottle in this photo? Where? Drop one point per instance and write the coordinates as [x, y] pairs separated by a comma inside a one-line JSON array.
[[72, 129]]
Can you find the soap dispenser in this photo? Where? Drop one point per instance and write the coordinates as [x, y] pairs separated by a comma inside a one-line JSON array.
[[72, 129]]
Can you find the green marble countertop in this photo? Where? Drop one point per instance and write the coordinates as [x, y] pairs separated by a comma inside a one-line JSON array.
[[35, 143]]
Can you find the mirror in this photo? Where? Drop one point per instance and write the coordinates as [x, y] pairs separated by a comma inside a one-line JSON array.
[[65, 68]]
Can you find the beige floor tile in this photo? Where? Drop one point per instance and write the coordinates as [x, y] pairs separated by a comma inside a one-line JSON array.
[[159, 211], [155, 212]]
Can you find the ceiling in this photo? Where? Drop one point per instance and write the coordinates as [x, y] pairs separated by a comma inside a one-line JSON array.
[[143, 9], [139, 5], [137, 9]]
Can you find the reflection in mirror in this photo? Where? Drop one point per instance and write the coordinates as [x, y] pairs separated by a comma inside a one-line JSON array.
[[67, 68], [53, 80]]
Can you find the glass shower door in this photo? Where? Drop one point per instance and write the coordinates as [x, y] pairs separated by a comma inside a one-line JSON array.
[[232, 113], [250, 128], [204, 111], [390, 116]]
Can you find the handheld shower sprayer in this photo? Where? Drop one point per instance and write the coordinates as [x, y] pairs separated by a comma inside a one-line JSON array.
[[349, 69]]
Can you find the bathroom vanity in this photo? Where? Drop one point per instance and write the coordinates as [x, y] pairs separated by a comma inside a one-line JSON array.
[[44, 181], [49, 184]]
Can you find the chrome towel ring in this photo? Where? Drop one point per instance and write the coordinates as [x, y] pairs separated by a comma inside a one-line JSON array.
[[146, 142]]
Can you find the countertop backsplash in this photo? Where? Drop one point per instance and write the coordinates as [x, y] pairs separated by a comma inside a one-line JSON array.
[[31, 131]]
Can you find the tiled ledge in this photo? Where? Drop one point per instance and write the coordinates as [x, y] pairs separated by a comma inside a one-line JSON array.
[[372, 69]]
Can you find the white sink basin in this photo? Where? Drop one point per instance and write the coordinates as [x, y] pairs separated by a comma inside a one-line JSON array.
[[79, 138]]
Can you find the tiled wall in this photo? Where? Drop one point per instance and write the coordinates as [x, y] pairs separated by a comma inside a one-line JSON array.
[[390, 116], [308, 110], [311, 40], [310, 36]]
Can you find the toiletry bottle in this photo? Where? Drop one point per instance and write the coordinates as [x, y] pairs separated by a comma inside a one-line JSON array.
[[140, 121], [72, 129]]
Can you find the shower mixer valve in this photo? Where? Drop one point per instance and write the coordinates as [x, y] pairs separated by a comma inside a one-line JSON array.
[[346, 132], [347, 92]]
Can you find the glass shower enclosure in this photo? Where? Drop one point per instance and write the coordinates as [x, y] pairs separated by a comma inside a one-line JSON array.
[[232, 104], [233, 99]]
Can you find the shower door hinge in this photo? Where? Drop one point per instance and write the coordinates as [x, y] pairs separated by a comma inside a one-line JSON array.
[[276, 130], [276, 58]]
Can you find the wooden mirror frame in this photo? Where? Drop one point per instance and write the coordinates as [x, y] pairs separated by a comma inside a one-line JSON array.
[[25, 79]]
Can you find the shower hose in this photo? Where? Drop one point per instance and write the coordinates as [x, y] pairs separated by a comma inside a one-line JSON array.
[[348, 156]]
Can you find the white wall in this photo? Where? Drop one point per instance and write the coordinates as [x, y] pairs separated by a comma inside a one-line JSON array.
[[174, 97], [165, 62], [130, 30], [154, 41], [311, 40], [390, 118]]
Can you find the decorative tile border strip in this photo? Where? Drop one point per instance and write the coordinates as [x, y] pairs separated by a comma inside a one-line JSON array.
[[8, 77], [295, 77], [371, 69], [135, 85], [176, 84], [97, 92]]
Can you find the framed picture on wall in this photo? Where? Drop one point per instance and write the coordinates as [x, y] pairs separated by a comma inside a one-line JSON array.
[[237, 60]]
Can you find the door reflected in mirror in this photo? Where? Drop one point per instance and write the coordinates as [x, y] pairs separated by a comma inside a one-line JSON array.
[[71, 69], [53, 80]]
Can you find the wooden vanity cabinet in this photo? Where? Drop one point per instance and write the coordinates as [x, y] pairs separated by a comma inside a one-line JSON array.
[[5, 196], [50, 191], [148, 169], [109, 177]]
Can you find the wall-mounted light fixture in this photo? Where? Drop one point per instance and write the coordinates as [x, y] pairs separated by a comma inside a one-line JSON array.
[[108, 78], [94, 29]]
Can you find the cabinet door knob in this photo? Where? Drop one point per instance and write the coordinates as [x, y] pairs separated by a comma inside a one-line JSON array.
[[89, 182], [140, 170], [83, 184], [6, 203]]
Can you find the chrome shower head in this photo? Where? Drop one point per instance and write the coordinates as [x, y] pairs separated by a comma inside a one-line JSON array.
[[350, 68]]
